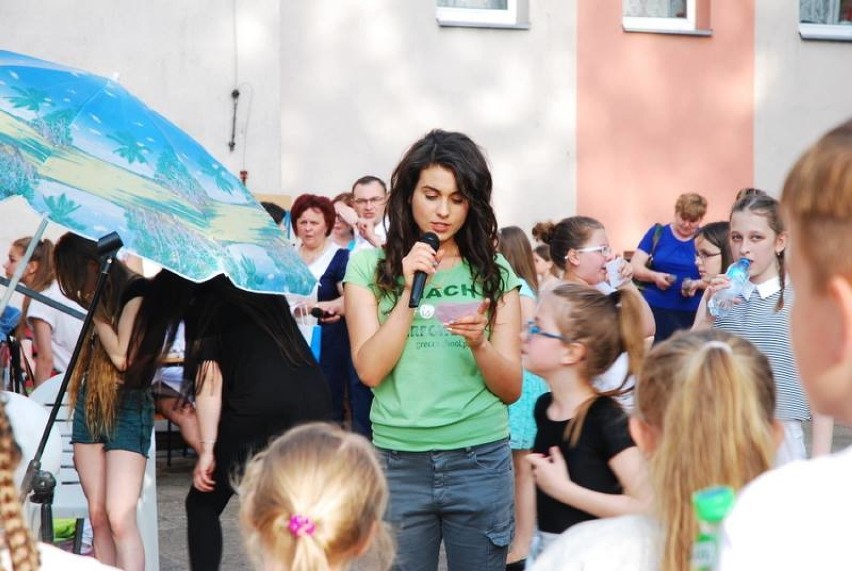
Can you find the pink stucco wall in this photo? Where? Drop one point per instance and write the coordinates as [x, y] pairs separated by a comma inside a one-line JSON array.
[[658, 115]]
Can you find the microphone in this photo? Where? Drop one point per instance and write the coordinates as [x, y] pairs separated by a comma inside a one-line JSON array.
[[319, 313], [420, 277]]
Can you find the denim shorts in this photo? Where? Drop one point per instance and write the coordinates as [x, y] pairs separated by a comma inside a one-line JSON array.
[[463, 497], [134, 421]]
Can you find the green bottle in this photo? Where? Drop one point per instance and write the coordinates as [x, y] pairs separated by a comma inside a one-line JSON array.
[[711, 506]]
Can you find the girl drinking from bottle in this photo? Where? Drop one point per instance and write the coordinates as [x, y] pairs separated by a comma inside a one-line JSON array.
[[442, 373], [705, 404], [763, 316], [585, 464]]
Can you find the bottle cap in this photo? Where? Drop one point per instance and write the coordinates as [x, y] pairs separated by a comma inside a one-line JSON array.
[[713, 504]]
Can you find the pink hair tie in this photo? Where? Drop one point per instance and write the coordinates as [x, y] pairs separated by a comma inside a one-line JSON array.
[[301, 526]]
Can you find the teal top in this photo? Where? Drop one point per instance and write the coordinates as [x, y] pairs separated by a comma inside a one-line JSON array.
[[435, 397]]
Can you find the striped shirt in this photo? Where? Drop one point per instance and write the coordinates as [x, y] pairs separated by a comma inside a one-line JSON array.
[[757, 321]]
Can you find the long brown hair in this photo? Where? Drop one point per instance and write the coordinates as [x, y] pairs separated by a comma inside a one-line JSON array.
[[712, 397], [606, 325], [476, 239], [76, 259], [515, 247]]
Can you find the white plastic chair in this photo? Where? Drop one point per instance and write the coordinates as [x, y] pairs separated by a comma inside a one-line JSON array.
[[28, 418], [69, 501]]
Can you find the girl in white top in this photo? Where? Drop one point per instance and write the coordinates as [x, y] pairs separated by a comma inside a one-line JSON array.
[[54, 332], [705, 402], [763, 317]]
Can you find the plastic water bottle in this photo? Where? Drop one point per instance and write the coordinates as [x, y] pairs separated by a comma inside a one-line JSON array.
[[711, 505], [723, 300]]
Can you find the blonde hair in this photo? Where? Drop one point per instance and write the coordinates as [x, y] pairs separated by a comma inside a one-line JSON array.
[[817, 198], [318, 476], [44, 274], [691, 206], [15, 536], [711, 395], [606, 325]]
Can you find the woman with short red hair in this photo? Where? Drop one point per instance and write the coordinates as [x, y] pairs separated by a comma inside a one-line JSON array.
[[313, 219]]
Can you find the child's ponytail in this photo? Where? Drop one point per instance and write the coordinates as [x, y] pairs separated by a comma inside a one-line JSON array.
[[314, 499], [607, 326], [712, 397], [629, 325]]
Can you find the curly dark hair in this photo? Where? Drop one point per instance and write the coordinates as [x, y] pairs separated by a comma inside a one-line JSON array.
[[476, 239]]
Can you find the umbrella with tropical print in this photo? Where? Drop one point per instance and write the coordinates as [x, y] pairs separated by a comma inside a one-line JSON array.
[[95, 159]]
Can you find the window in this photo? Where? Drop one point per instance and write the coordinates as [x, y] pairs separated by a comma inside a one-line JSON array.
[[483, 13], [825, 19], [691, 17]]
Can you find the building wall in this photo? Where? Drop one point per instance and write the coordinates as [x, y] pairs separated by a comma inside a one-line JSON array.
[[181, 58], [658, 115], [361, 81], [802, 89]]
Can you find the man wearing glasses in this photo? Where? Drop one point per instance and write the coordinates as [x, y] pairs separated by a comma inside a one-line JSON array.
[[370, 195]]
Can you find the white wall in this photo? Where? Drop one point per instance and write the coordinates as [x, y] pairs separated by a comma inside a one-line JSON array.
[[363, 80], [802, 89], [178, 57], [335, 89]]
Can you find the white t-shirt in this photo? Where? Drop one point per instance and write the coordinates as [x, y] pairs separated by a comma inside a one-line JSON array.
[[55, 559], [613, 377], [64, 328], [610, 544], [794, 517]]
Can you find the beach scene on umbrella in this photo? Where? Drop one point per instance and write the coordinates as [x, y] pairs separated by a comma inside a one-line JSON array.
[[95, 159]]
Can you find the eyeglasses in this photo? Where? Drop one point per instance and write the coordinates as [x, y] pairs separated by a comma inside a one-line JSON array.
[[532, 328], [606, 250], [703, 255], [375, 201]]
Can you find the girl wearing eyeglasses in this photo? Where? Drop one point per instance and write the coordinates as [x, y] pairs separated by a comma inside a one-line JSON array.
[[712, 257], [584, 462], [441, 383], [580, 249]]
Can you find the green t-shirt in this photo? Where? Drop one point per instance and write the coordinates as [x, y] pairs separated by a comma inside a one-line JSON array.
[[435, 397]]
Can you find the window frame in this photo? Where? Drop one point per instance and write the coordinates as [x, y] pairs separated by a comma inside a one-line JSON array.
[[696, 23], [515, 16], [826, 32]]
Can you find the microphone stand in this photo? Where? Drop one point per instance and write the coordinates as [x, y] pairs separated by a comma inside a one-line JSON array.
[[108, 247]]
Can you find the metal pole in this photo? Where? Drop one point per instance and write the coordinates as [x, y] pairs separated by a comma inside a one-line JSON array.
[[108, 247], [21, 288]]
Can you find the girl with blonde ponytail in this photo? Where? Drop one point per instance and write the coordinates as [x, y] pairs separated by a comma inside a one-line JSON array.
[[313, 501], [53, 332], [705, 404], [585, 464]]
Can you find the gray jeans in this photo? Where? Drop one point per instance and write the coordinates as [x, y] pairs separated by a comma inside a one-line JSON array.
[[464, 497]]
